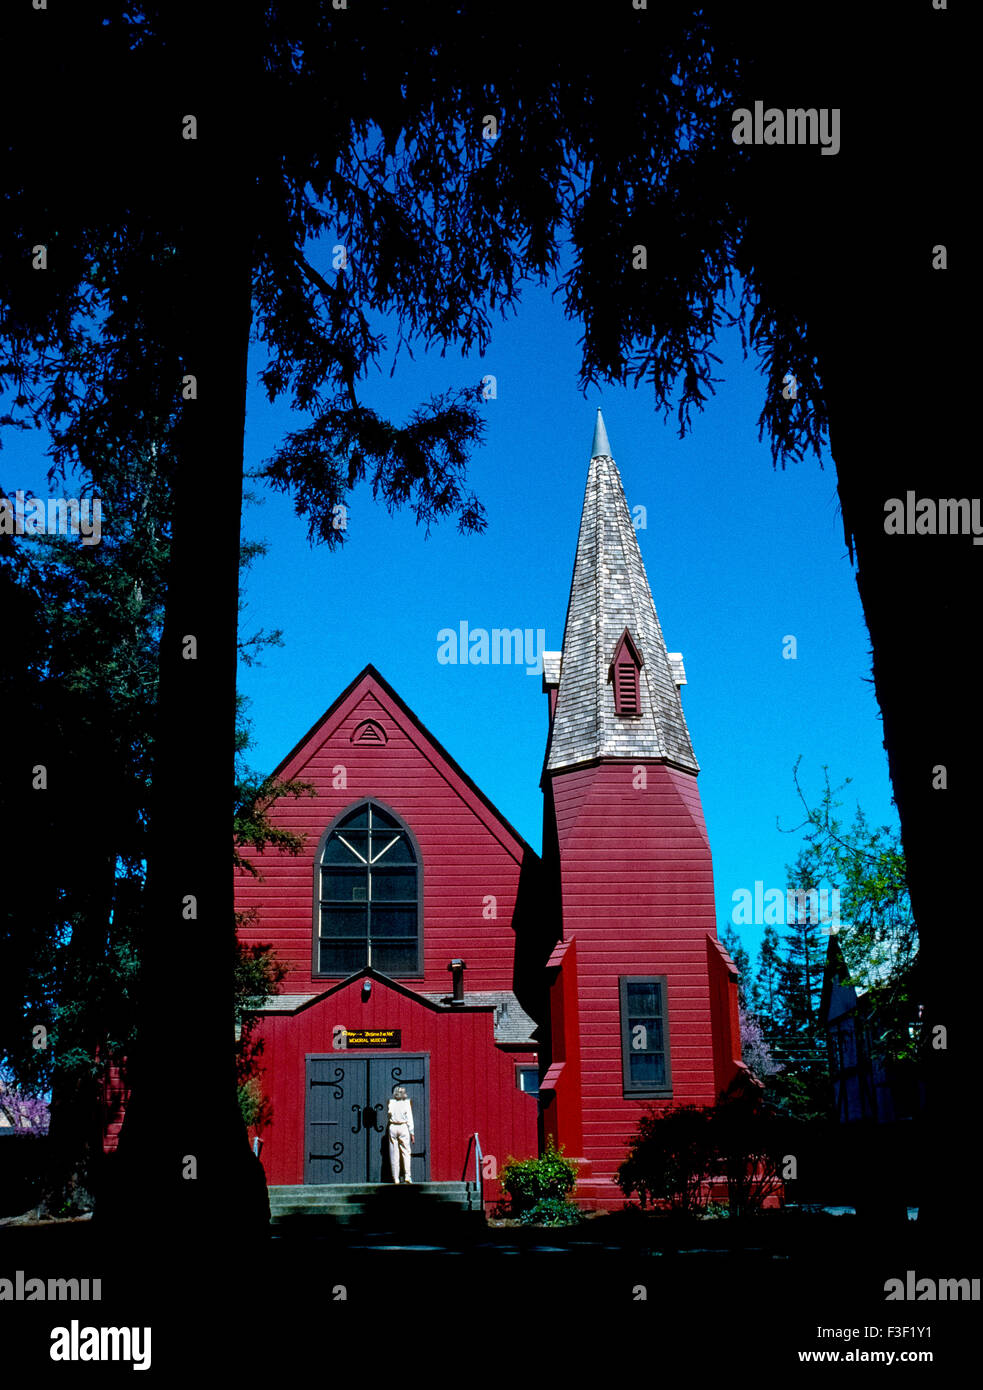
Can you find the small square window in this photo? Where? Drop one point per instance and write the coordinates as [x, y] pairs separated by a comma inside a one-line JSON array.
[[528, 1080]]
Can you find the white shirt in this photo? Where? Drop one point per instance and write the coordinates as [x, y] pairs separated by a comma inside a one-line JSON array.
[[401, 1112]]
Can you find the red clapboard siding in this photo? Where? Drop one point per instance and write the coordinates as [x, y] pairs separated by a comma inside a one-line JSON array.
[[468, 855], [637, 893], [472, 1081], [113, 1098]]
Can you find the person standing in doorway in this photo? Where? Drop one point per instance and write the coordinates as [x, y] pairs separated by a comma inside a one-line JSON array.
[[400, 1133]]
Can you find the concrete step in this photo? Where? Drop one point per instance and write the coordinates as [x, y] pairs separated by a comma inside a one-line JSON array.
[[374, 1205], [399, 1209], [400, 1195], [349, 1215], [311, 1196], [336, 1188]]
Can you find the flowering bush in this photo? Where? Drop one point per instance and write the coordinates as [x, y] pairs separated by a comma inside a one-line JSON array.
[[755, 1050], [24, 1112]]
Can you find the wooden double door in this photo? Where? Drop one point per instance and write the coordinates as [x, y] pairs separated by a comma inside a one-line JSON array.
[[345, 1138]]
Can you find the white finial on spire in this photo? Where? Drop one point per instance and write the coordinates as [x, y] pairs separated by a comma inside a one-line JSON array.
[[600, 447]]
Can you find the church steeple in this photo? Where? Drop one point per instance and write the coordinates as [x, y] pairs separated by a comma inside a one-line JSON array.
[[600, 447], [603, 708]]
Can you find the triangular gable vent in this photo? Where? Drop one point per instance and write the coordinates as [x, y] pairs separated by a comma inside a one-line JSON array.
[[370, 732]]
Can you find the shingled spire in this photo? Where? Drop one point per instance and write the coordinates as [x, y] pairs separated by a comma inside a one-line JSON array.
[[610, 596]]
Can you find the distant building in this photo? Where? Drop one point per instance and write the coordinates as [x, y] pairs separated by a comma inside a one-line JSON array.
[[864, 1086]]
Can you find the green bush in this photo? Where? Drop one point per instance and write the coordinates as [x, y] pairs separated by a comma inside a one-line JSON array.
[[531, 1180], [255, 1108], [552, 1211]]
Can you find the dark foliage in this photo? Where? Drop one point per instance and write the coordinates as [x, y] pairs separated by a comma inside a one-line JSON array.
[[675, 1153], [670, 1159]]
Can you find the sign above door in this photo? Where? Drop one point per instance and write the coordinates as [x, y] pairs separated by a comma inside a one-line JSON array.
[[373, 1037]]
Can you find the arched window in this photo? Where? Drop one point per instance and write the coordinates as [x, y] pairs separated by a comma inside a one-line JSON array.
[[368, 896]]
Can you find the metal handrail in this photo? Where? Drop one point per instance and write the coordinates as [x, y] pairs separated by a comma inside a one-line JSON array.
[[479, 1181]]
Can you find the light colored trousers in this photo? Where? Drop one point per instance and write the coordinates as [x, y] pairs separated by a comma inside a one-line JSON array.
[[399, 1143]]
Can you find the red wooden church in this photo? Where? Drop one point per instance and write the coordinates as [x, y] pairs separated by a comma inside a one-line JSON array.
[[515, 997]]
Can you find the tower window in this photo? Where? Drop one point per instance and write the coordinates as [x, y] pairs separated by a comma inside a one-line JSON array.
[[368, 896], [644, 1035], [624, 676]]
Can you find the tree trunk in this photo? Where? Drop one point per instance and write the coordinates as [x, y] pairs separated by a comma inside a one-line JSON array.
[[847, 242], [183, 1154], [914, 591]]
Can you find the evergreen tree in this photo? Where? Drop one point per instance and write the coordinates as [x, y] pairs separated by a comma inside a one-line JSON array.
[[877, 932], [794, 1032], [755, 1051], [83, 682], [72, 942], [769, 972], [746, 984]]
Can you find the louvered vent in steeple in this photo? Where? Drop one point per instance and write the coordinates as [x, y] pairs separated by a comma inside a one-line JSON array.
[[624, 675]]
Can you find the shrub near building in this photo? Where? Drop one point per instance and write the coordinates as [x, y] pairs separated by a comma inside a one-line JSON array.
[[674, 1157], [539, 1189], [670, 1160]]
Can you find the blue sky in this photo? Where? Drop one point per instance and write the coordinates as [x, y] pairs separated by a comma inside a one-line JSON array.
[[738, 556]]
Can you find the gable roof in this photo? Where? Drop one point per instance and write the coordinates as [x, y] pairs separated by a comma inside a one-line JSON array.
[[511, 1025], [838, 995], [626, 643], [370, 679], [844, 989], [610, 593]]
